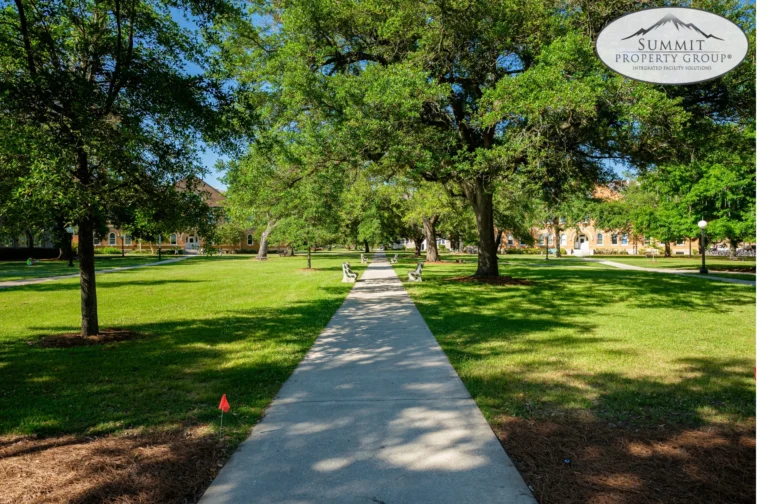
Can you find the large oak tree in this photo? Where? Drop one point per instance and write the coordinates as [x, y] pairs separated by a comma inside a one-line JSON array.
[[467, 92]]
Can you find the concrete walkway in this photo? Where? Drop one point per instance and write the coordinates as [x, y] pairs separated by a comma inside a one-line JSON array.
[[674, 272], [373, 414], [31, 281]]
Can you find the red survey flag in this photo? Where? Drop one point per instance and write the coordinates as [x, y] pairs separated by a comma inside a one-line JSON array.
[[224, 405]]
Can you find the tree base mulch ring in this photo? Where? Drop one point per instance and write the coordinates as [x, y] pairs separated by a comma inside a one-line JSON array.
[[497, 280], [573, 461], [144, 468], [75, 339]]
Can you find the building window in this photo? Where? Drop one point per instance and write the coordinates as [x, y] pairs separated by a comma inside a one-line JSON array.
[[127, 239], [96, 239], [648, 240], [112, 239], [599, 238], [174, 240], [563, 240], [542, 240], [510, 241], [250, 239], [614, 239], [562, 220], [624, 239], [680, 243]]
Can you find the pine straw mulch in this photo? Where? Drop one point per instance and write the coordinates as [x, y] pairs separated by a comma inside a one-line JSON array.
[[120, 469], [70, 340], [497, 280], [573, 461]]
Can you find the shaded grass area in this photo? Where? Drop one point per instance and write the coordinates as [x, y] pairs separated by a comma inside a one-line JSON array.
[[694, 263], [18, 270], [209, 326], [586, 348]]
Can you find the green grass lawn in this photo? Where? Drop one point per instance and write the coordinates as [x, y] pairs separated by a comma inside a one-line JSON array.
[[620, 346], [605, 385], [713, 263], [18, 270], [212, 326]]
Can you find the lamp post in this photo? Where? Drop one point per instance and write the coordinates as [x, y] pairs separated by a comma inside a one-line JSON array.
[[703, 227], [70, 231], [547, 245]]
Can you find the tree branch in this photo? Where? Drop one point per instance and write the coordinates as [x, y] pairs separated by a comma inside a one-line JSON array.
[[25, 36]]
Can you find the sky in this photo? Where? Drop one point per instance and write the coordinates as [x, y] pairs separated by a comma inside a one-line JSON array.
[[209, 158]]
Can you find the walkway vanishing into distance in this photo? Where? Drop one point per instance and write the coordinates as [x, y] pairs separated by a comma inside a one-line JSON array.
[[373, 414], [675, 272], [31, 281]]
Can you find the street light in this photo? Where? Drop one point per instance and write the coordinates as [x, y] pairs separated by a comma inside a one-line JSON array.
[[70, 231], [703, 227]]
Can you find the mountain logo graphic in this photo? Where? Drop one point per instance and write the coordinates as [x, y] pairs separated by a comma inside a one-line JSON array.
[[670, 18]]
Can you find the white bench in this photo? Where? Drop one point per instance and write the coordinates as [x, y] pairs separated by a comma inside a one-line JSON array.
[[415, 275], [349, 275], [394, 259], [363, 259]]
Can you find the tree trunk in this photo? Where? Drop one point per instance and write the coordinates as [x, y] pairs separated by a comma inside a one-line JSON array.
[[309, 257], [431, 237], [667, 249], [498, 240], [30, 243], [557, 241], [732, 245], [367, 248], [481, 200], [89, 318], [263, 242], [417, 239], [88, 307]]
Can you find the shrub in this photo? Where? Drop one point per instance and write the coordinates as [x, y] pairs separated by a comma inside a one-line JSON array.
[[524, 251], [106, 250]]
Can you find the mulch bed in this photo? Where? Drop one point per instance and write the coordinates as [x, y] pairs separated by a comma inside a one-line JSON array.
[[497, 280], [75, 339], [139, 468], [573, 461]]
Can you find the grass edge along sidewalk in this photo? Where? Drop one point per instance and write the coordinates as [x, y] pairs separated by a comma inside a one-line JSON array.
[[137, 420], [603, 384]]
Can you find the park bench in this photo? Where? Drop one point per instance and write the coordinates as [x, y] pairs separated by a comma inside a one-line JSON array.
[[415, 275], [284, 253], [363, 259], [349, 275], [394, 259]]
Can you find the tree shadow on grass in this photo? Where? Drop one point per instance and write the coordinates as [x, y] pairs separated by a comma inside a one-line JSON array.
[[531, 357], [173, 376]]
